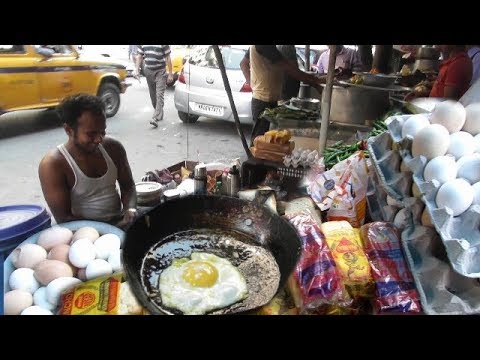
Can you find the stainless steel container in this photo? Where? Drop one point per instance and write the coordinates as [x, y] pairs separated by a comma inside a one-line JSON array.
[[233, 182], [200, 179], [356, 105]]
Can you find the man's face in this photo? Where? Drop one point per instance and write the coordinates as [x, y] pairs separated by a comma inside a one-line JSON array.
[[89, 133]]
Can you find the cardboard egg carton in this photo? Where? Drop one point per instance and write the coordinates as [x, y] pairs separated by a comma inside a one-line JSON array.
[[460, 234], [386, 163], [442, 290]]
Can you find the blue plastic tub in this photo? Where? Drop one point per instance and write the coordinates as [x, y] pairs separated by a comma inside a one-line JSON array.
[[17, 223]]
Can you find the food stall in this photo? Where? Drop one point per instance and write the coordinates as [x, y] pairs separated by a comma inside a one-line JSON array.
[[332, 230]]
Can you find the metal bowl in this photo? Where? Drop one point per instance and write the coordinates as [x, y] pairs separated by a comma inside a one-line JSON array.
[[379, 80]]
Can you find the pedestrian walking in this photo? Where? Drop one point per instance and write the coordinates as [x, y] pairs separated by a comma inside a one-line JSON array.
[[157, 71]]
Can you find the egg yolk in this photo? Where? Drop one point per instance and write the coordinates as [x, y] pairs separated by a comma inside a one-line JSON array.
[[200, 274]]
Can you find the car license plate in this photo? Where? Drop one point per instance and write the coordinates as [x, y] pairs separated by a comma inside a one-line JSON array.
[[209, 109]]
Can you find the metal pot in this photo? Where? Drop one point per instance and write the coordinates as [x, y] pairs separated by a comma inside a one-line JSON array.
[[264, 247], [357, 105], [428, 52]]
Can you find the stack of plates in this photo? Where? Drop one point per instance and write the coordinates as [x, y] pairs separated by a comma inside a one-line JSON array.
[[148, 193]]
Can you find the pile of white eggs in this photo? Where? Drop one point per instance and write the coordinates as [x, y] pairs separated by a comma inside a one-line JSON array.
[[58, 261], [449, 138]]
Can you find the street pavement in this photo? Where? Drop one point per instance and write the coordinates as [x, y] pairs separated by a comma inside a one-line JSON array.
[[26, 136]]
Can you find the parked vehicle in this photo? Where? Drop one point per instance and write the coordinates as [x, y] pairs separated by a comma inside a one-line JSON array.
[[40, 76], [200, 90]]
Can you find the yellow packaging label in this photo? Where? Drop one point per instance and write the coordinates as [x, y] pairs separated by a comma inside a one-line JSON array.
[[346, 247], [99, 296]]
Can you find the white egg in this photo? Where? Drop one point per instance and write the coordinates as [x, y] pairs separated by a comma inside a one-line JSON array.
[[28, 255], [15, 301], [392, 202], [414, 124], [461, 144], [204, 283], [476, 193], [36, 310], [476, 139], [469, 168], [97, 268], [56, 287], [450, 114], [401, 218], [40, 299], [23, 279], [115, 259], [455, 194], [431, 141], [472, 122], [81, 253], [441, 168], [105, 245]]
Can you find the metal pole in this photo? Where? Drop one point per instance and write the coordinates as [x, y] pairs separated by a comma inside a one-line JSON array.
[[221, 65], [326, 100], [307, 57]]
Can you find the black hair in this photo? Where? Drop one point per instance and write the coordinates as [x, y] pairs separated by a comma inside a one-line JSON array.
[[73, 106]]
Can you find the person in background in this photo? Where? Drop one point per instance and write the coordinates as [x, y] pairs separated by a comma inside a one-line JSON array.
[[79, 177], [474, 54], [291, 86], [132, 53], [157, 62], [347, 61], [263, 67], [455, 73]]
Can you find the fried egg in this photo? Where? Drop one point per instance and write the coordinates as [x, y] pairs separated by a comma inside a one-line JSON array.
[[203, 283]]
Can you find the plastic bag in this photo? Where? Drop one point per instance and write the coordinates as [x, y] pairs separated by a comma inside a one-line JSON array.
[[315, 280], [342, 190], [395, 288]]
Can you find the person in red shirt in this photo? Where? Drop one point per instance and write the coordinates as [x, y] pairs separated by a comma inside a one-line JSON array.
[[455, 73]]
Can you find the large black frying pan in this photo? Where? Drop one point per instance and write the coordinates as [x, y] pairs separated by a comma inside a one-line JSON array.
[[262, 245]]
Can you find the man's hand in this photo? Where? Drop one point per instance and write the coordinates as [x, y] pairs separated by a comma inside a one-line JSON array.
[[169, 78], [128, 219]]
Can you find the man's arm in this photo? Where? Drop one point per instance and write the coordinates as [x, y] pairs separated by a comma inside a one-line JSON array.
[[245, 66], [55, 189], [125, 179], [169, 68], [458, 75], [138, 60]]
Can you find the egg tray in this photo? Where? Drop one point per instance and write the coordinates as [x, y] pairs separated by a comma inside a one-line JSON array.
[[460, 234], [386, 162], [442, 290]]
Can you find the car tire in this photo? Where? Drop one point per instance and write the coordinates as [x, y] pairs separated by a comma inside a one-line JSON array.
[[187, 118], [110, 95]]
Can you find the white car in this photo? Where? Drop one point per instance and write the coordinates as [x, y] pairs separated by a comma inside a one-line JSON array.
[[200, 91], [118, 53]]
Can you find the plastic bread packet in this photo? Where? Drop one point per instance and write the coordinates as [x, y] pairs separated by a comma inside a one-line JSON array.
[[394, 285], [316, 280]]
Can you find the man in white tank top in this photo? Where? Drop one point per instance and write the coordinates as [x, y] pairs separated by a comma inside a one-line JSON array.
[[79, 177]]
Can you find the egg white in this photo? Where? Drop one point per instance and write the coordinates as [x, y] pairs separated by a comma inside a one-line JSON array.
[[177, 293]]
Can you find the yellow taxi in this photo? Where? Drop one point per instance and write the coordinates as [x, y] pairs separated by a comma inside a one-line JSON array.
[[178, 55], [40, 76]]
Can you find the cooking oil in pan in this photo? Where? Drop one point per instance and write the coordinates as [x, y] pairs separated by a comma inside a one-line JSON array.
[[254, 263]]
